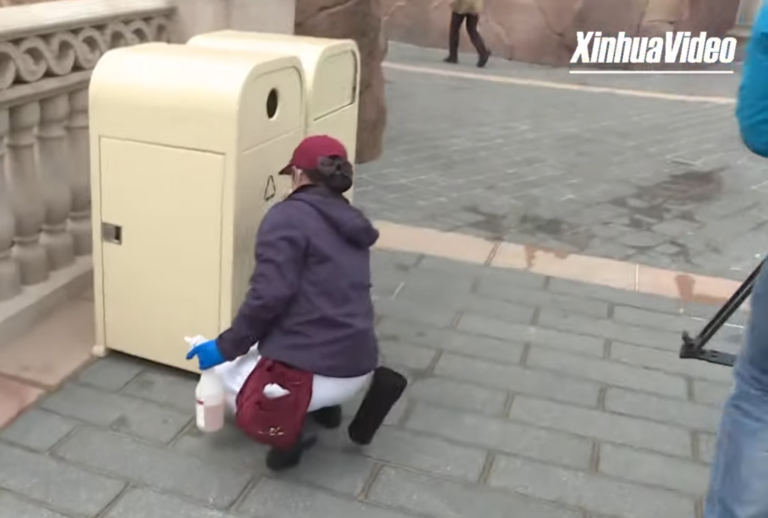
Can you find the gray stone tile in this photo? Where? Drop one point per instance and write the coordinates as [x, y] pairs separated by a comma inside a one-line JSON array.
[[458, 395], [38, 430], [159, 468], [565, 341], [609, 373], [122, 413], [112, 372], [428, 496], [707, 447], [427, 453], [14, 507], [609, 329], [673, 411], [341, 472], [500, 290], [142, 503], [667, 472], [505, 351], [714, 394], [667, 361], [603, 426], [166, 387], [396, 330], [409, 356], [417, 312], [518, 379], [502, 435], [229, 446], [597, 494], [62, 487], [627, 298], [286, 500], [655, 320]]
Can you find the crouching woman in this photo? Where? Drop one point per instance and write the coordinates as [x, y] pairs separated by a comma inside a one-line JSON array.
[[309, 308]]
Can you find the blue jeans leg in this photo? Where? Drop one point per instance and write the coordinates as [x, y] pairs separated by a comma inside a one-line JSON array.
[[739, 475]]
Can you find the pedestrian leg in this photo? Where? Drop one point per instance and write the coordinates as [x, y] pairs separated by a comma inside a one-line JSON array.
[[453, 38], [477, 40], [740, 466]]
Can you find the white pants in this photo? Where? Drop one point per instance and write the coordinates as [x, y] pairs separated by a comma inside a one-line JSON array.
[[325, 391]]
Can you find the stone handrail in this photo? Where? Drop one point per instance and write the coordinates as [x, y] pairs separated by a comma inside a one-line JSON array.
[[47, 52]]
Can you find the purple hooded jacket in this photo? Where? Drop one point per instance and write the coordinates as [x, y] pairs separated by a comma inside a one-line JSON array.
[[309, 303]]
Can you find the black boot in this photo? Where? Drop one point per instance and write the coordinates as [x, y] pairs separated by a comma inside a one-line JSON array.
[[385, 390], [328, 417], [279, 460]]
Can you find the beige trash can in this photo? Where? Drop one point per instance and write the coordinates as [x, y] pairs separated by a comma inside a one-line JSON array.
[[332, 68], [185, 146]]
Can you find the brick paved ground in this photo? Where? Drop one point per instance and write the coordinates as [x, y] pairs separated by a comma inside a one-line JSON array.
[[529, 396], [660, 182]]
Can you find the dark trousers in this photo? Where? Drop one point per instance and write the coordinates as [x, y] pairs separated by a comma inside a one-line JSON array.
[[453, 39]]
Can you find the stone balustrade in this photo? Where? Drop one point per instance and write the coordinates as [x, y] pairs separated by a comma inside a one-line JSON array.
[[47, 52]]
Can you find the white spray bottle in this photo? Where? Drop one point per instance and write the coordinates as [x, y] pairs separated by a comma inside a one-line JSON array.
[[209, 396]]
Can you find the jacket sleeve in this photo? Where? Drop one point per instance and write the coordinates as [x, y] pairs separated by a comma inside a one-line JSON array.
[[752, 102], [280, 252]]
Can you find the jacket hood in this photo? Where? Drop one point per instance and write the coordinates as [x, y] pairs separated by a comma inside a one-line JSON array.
[[348, 221]]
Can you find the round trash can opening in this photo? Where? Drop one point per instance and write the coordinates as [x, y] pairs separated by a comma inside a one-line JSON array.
[[273, 100]]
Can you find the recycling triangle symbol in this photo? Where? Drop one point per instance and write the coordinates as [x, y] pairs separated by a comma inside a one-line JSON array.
[[270, 190]]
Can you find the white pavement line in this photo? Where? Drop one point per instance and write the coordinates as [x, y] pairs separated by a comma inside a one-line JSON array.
[[647, 94]]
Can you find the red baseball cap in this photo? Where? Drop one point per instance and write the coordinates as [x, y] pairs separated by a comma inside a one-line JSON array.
[[308, 153]]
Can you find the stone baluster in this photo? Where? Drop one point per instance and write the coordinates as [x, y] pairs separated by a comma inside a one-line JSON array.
[[10, 278], [80, 179], [26, 198], [53, 163]]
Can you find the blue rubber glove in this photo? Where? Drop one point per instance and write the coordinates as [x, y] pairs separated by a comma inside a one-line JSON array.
[[207, 354]]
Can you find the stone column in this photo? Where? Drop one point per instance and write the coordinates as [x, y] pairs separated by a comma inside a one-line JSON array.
[[53, 161], [26, 198], [10, 278], [277, 16], [79, 173]]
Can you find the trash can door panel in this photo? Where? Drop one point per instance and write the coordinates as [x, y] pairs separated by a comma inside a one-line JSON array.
[[335, 85], [161, 245]]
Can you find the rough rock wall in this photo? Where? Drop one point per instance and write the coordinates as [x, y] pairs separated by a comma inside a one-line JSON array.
[[544, 31], [361, 21]]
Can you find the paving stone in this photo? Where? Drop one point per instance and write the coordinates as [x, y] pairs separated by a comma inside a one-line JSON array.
[[458, 395], [609, 329], [609, 373], [59, 486], [504, 351], [655, 320], [14, 507], [142, 503], [714, 394], [341, 472], [683, 413], [38, 430], [626, 298], [279, 498], [502, 435], [427, 453], [667, 361], [518, 379], [437, 284], [597, 494], [600, 425], [112, 372], [166, 387], [160, 468], [668, 472], [499, 329], [409, 356], [707, 446], [501, 290], [122, 413], [229, 446], [396, 330], [404, 309], [427, 496]]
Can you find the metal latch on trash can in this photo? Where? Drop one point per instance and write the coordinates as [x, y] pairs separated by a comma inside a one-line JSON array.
[[111, 233]]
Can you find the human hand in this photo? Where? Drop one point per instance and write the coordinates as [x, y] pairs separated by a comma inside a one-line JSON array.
[[208, 355]]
